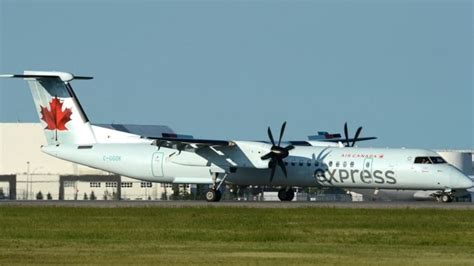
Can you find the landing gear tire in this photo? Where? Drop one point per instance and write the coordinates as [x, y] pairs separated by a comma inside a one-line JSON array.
[[213, 195], [286, 195], [282, 194], [446, 198], [290, 194]]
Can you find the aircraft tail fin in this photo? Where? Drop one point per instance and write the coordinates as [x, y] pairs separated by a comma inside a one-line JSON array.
[[58, 108]]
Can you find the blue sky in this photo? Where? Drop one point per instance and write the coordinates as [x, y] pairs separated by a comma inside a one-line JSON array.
[[229, 69]]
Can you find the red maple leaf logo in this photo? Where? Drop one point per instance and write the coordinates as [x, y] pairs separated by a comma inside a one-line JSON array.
[[56, 118]]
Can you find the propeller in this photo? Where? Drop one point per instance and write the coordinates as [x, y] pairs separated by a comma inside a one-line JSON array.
[[346, 135], [277, 153]]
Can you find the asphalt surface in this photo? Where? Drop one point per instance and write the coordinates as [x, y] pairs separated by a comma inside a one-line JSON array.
[[243, 204]]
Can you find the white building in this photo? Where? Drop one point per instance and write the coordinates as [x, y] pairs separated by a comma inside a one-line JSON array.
[[28, 171]]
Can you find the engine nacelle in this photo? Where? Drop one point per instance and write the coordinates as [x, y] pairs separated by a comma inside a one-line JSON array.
[[249, 153]]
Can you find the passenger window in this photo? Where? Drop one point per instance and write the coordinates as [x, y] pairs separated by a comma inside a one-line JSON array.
[[337, 164], [367, 165], [345, 164], [330, 164], [301, 163], [352, 164], [292, 163], [316, 163], [286, 163], [308, 163]]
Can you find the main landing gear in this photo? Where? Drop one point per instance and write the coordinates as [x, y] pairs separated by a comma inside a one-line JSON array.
[[286, 194], [214, 194], [445, 197]]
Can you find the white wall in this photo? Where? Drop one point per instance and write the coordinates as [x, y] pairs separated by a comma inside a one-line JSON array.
[[36, 171], [20, 152]]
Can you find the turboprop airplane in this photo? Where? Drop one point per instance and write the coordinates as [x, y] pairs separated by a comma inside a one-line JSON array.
[[174, 159]]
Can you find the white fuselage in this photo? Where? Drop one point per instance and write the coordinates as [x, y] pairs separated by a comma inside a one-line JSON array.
[[306, 165]]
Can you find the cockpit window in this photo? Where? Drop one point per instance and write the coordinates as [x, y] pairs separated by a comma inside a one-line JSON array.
[[422, 160], [437, 160], [429, 160]]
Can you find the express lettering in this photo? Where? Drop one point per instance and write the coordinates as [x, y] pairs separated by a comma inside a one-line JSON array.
[[345, 176]]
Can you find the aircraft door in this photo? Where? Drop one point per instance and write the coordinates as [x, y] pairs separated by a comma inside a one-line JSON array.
[[157, 164], [367, 171]]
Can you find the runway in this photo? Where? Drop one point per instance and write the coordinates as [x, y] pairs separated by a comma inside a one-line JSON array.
[[242, 204]]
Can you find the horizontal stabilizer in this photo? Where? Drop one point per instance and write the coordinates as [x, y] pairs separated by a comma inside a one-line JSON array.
[[64, 76]]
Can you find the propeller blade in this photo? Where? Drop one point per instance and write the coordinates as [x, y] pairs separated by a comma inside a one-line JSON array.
[[346, 133], [273, 172], [356, 136], [270, 135], [282, 166], [277, 153], [289, 147], [281, 132], [267, 156]]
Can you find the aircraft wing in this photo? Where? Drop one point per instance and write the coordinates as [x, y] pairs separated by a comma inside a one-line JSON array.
[[183, 143], [344, 140], [325, 136]]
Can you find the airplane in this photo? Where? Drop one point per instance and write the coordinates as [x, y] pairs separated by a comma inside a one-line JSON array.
[[179, 159]]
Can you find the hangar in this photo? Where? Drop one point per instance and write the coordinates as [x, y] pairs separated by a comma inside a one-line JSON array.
[[27, 174]]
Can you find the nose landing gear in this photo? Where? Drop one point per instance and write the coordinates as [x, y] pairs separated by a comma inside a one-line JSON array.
[[444, 196]]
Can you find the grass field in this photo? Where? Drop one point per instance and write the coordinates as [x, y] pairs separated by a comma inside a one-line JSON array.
[[63, 235]]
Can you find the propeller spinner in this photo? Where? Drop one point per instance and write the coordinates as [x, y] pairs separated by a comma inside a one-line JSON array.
[[277, 153]]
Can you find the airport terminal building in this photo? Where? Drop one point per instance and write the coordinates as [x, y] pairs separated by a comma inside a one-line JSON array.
[[26, 173]]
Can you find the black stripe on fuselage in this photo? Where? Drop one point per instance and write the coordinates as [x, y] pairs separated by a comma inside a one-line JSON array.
[[80, 147]]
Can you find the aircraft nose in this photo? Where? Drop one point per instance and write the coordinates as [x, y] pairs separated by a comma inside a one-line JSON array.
[[461, 181], [467, 183]]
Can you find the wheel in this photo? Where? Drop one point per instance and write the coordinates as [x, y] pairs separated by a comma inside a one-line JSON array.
[[218, 195], [451, 198], [213, 195], [446, 198], [282, 194], [286, 195], [290, 194]]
